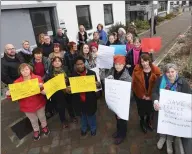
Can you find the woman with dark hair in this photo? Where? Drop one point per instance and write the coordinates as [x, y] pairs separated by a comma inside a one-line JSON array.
[[102, 33], [59, 99], [170, 80], [70, 56], [133, 56], [57, 52], [144, 77], [85, 52], [81, 36]]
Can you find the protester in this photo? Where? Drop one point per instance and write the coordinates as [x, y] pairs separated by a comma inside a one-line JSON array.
[[85, 104], [82, 36], [47, 46], [119, 72], [40, 64], [102, 33], [94, 51], [154, 24], [41, 40], [133, 56], [122, 35], [26, 52], [112, 41], [144, 76], [10, 64], [132, 29], [33, 106], [129, 44], [62, 39], [85, 52], [170, 80], [57, 52], [96, 39], [70, 56], [59, 99], [116, 36]]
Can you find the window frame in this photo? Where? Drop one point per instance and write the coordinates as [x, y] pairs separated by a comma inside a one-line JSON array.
[[89, 17], [161, 9], [111, 5]]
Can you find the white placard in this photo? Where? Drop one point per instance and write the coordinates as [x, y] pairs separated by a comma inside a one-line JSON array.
[[96, 70], [117, 96], [175, 115], [105, 57]]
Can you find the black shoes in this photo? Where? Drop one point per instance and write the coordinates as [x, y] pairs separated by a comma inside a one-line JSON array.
[[93, 133], [83, 133], [143, 126]]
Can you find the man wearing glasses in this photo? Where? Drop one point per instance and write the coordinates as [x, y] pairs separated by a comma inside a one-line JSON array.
[[10, 64]]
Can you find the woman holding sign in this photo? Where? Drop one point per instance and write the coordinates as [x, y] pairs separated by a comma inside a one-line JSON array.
[[144, 76], [33, 106], [59, 99], [119, 72], [169, 81]]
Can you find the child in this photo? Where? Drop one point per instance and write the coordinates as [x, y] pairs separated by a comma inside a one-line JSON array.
[[59, 99], [33, 106]]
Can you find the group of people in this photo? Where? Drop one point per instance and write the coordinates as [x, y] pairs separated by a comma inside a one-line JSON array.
[[76, 59]]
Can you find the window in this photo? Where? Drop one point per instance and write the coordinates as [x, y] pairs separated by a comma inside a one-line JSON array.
[[108, 14], [84, 17], [162, 6], [137, 2], [42, 21]]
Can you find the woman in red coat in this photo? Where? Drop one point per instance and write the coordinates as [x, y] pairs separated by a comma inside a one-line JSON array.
[[33, 106]]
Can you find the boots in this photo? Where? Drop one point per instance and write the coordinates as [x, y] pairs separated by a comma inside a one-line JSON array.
[[143, 126]]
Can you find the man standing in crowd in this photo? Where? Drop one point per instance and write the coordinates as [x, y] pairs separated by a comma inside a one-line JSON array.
[[154, 24], [96, 39], [62, 39], [10, 64], [47, 46]]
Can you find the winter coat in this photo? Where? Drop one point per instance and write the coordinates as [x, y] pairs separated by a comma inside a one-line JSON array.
[[182, 86], [103, 36], [26, 57], [32, 103], [124, 76], [88, 107], [115, 43], [47, 49], [47, 66], [9, 68], [138, 83], [62, 40], [130, 60]]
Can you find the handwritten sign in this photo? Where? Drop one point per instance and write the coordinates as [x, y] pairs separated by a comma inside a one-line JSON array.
[[96, 70], [82, 84], [119, 49], [54, 84], [117, 96], [105, 57], [24, 89], [175, 114], [149, 44]]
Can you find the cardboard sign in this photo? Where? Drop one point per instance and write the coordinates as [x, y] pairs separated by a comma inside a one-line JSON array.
[[151, 44], [120, 49]]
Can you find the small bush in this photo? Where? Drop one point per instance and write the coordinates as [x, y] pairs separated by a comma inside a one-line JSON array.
[[142, 24], [169, 16], [160, 19], [115, 27]]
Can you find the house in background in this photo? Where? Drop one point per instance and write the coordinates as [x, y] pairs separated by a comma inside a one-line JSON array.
[[25, 20]]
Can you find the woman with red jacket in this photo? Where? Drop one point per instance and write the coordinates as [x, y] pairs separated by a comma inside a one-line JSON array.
[[33, 106]]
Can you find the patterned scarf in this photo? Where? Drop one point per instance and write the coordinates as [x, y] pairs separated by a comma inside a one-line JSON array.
[[166, 84], [27, 52]]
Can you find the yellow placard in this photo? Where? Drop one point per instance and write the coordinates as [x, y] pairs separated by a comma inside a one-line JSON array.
[[82, 84], [24, 89], [54, 84]]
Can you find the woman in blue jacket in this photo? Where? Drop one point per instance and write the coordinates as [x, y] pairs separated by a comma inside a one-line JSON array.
[[102, 33]]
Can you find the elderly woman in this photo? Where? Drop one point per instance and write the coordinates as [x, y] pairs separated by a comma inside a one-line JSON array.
[[144, 76], [170, 81], [102, 33], [122, 35], [119, 72]]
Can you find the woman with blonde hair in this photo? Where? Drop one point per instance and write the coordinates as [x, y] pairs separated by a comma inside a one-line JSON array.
[[41, 39], [81, 36]]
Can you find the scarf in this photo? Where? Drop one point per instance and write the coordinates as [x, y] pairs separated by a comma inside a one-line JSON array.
[[83, 95], [166, 84], [136, 53], [27, 52], [59, 71], [129, 46]]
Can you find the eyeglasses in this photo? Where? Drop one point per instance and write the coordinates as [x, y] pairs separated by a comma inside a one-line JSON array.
[[10, 49]]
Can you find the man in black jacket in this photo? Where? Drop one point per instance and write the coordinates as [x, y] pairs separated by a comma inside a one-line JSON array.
[[10, 64], [48, 46], [62, 39]]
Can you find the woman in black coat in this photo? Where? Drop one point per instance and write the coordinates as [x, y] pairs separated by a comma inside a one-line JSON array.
[[169, 81]]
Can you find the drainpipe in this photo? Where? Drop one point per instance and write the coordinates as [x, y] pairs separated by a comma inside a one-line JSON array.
[[152, 19]]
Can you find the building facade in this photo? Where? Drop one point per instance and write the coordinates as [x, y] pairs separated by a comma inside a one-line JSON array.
[[27, 19]]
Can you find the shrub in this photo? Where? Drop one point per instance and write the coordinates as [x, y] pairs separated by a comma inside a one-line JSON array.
[[160, 19], [142, 24], [115, 27], [169, 16]]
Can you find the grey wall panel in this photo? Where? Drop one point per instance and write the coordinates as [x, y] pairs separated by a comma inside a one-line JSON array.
[[16, 26]]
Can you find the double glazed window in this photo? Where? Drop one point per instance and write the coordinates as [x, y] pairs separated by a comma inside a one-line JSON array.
[[108, 14]]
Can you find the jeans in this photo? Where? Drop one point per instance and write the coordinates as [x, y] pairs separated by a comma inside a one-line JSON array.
[[88, 121], [34, 116], [168, 137], [121, 127]]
